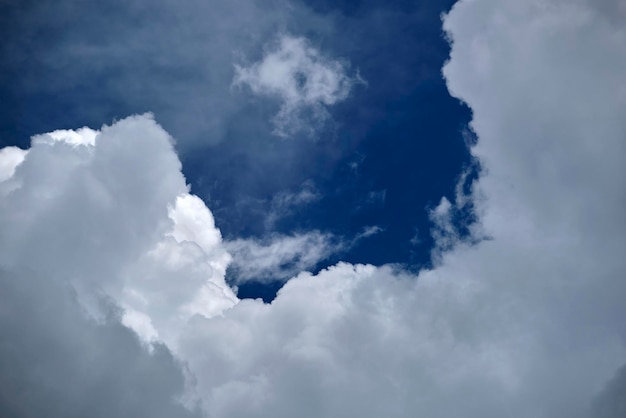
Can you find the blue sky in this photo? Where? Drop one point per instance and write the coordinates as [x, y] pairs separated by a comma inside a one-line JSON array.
[[244, 208]]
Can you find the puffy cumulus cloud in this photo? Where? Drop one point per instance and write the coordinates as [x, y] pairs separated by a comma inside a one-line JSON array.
[[361, 341], [110, 210], [10, 157], [302, 79], [82, 136], [98, 229], [450, 219], [278, 257], [179, 276]]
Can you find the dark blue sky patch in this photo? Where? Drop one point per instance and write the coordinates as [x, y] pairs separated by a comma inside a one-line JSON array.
[[400, 137]]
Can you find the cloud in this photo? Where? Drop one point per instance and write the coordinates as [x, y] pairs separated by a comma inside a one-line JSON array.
[[285, 203], [57, 362], [369, 231], [109, 210], [83, 226], [611, 402], [10, 157], [179, 276], [528, 323], [82, 136], [304, 81], [280, 257], [173, 59], [306, 194]]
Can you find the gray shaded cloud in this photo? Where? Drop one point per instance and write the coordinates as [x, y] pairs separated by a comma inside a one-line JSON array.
[[611, 402], [57, 362]]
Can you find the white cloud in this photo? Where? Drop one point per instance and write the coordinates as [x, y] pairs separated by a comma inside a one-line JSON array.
[[444, 231], [369, 231], [92, 210], [10, 158], [526, 324], [180, 276], [279, 257], [82, 136], [305, 81], [80, 227], [109, 211]]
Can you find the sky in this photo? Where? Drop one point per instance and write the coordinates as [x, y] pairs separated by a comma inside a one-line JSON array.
[[248, 208]]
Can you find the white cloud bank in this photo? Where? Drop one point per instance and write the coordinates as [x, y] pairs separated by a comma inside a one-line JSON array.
[[305, 81], [84, 226], [529, 323]]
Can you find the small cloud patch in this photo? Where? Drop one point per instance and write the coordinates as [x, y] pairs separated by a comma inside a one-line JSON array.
[[304, 80]]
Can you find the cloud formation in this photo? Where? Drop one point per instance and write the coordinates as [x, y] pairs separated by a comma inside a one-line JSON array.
[[82, 224], [285, 203], [611, 402], [304, 81], [527, 323], [57, 362], [10, 157], [279, 257]]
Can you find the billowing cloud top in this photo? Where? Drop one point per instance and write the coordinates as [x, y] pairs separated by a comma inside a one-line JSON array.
[[99, 228], [108, 211]]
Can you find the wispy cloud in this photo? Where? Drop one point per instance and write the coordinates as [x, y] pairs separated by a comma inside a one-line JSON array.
[[302, 79], [280, 257], [285, 203]]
